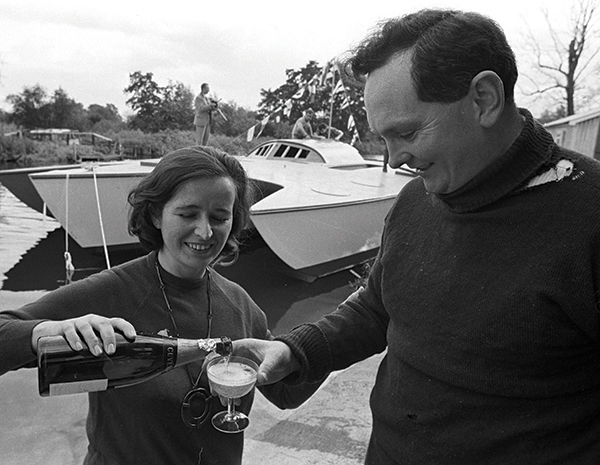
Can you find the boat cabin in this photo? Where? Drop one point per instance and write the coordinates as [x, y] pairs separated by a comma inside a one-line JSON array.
[[326, 151]]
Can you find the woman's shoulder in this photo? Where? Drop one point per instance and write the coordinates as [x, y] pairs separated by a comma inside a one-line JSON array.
[[226, 285], [127, 274], [231, 291]]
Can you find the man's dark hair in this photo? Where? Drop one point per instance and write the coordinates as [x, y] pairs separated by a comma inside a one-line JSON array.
[[450, 48]]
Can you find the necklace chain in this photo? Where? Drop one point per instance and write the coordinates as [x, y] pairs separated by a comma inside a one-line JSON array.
[[172, 313]]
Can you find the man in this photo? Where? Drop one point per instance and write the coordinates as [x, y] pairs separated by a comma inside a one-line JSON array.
[[485, 289], [202, 119], [329, 132], [302, 128]]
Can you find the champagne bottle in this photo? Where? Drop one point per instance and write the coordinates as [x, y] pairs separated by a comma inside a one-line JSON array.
[[62, 370]]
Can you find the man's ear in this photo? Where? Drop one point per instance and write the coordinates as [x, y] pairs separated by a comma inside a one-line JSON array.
[[487, 94]]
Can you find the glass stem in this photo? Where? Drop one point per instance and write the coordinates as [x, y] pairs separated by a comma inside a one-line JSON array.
[[230, 408]]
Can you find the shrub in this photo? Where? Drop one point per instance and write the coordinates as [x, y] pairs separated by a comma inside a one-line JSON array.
[[15, 149], [136, 144]]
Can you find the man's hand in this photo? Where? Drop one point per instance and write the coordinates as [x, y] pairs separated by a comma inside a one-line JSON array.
[[275, 358]]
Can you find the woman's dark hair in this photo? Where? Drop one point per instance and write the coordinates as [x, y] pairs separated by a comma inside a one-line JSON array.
[[449, 47], [149, 197]]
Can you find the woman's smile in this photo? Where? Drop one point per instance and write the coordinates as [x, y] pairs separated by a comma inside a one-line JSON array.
[[195, 225]]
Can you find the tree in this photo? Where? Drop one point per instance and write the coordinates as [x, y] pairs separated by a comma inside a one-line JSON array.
[[318, 88], [562, 68], [296, 80], [234, 121], [26, 107], [97, 113], [177, 109], [104, 119], [159, 108], [64, 112], [145, 100], [33, 109]]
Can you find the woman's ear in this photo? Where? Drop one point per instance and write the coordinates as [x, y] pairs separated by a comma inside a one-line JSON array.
[[156, 221], [487, 94]]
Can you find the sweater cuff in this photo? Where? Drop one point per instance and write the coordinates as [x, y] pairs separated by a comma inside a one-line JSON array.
[[311, 348]]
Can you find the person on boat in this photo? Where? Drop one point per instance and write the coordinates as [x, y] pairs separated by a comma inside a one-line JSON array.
[[204, 106], [302, 128], [329, 132], [189, 211], [485, 288]]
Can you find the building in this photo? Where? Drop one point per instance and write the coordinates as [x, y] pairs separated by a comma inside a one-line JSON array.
[[580, 133]]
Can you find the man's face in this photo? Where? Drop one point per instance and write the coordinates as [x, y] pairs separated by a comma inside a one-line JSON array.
[[205, 89], [440, 141]]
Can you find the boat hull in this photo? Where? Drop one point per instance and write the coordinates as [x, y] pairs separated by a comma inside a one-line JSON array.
[[345, 231], [317, 218], [17, 181], [91, 207]]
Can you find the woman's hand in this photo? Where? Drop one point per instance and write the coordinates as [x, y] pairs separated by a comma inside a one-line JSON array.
[[95, 331]]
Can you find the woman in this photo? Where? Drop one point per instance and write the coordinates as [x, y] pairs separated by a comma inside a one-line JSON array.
[[189, 212]]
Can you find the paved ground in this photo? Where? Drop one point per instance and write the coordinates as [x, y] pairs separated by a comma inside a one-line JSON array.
[[331, 428]]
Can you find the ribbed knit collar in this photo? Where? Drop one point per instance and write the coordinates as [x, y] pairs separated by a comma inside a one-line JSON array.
[[175, 281], [530, 152]]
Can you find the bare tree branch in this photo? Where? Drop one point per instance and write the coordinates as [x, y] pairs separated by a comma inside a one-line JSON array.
[[573, 53]]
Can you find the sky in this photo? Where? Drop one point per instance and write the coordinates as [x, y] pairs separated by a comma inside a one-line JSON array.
[[89, 49]]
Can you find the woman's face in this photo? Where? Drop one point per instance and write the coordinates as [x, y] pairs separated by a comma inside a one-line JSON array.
[[195, 225]]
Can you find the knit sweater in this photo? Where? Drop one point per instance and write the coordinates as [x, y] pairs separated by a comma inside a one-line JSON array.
[[487, 302], [142, 424]]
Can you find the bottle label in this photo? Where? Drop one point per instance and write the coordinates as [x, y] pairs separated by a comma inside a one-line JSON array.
[[170, 357], [92, 385]]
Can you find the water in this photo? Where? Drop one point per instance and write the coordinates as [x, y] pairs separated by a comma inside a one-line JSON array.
[[20, 229], [32, 248]]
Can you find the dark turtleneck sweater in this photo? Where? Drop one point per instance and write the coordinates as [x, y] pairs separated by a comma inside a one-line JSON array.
[[487, 302]]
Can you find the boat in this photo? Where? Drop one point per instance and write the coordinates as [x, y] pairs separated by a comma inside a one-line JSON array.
[[17, 181], [321, 205]]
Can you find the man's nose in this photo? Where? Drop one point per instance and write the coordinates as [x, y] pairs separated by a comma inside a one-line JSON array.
[[398, 158]]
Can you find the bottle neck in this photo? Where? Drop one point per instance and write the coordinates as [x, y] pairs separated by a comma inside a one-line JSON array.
[[189, 350]]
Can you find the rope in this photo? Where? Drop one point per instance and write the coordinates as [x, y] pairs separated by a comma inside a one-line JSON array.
[[44, 213], [69, 268], [100, 218]]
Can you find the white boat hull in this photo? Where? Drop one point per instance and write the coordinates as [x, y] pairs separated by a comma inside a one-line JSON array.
[[91, 220], [316, 217], [345, 231]]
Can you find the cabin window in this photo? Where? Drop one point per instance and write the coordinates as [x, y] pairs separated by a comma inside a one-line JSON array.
[[303, 153], [291, 153], [262, 151], [280, 151]]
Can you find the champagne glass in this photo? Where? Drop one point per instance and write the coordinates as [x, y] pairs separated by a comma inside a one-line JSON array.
[[231, 377]]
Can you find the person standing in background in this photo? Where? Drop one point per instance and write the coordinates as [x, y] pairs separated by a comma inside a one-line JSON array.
[[202, 119]]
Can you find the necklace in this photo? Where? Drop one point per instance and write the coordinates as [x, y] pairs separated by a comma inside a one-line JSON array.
[[195, 405], [170, 309]]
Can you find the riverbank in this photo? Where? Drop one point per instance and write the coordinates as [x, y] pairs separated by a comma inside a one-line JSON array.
[[332, 427]]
